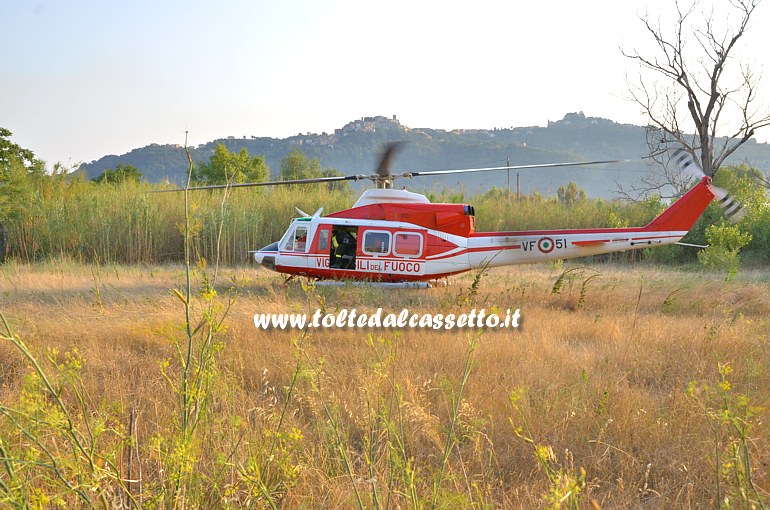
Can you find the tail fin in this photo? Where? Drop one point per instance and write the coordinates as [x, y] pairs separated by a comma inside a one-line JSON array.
[[683, 213]]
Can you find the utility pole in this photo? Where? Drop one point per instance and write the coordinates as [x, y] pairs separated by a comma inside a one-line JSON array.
[[508, 164], [518, 189]]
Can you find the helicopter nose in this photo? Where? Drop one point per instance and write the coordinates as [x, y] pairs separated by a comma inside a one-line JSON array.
[[266, 256], [265, 259]]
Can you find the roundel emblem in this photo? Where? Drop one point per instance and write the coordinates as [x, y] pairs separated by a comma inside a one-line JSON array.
[[545, 245]]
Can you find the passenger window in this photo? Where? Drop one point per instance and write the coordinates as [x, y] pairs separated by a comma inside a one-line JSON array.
[[407, 244], [376, 242], [323, 240]]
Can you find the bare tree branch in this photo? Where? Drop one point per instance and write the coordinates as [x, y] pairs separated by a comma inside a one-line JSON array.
[[667, 183], [695, 62]]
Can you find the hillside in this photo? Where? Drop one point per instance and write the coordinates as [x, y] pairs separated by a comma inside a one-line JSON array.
[[354, 148]]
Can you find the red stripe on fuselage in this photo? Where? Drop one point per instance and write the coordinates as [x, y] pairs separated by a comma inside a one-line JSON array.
[[475, 250], [344, 274]]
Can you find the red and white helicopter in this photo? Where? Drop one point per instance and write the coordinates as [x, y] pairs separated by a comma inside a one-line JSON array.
[[393, 235]]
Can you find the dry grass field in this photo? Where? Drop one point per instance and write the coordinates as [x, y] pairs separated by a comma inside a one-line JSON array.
[[639, 388]]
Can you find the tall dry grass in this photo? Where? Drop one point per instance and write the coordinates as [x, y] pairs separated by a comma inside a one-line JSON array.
[[123, 223], [415, 419]]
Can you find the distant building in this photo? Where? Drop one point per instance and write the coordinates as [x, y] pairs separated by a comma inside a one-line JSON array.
[[369, 125]]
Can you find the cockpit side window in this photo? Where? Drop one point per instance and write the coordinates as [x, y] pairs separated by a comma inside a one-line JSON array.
[[297, 241]]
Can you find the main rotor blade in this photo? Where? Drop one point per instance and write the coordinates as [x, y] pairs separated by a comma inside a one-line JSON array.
[[385, 167], [383, 170], [513, 167], [268, 183]]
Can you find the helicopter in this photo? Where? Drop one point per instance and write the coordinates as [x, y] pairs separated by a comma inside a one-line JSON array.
[[394, 236]]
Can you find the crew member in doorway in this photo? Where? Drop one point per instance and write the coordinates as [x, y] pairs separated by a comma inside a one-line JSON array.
[[345, 250]]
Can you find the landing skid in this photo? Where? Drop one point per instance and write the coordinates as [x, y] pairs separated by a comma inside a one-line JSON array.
[[391, 285]]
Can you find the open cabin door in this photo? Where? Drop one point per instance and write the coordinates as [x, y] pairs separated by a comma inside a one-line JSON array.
[[334, 247], [344, 247]]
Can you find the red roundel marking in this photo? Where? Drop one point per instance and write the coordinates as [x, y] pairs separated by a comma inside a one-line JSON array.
[[545, 245]]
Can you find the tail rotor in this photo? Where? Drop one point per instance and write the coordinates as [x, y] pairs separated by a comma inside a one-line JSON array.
[[734, 210]]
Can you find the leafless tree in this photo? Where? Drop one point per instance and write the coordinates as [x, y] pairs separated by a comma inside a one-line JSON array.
[[696, 65], [665, 180]]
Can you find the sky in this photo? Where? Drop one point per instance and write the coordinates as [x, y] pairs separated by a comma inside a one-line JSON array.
[[83, 79]]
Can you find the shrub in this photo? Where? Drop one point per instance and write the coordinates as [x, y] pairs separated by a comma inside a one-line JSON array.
[[725, 242]]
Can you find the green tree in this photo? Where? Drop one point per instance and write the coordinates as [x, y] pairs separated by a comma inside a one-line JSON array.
[[744, 184], [335, 185], [11, 153], [123, 173], [298, 166], [570, 194], [19, 169], [225, 166]]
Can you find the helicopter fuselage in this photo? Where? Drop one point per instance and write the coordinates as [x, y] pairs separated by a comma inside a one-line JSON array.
[[398, 236]]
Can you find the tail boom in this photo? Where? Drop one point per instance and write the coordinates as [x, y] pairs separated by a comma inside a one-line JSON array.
[[507, 248]]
